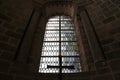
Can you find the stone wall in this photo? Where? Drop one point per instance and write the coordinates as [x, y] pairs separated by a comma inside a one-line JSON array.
[[105, 17], [14, 17]]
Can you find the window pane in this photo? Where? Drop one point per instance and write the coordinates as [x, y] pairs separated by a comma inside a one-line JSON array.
[[71, 61], [68, 47], [53, 47], [52, 27], [50, 49], [53, 23], [46, 61], [68, 36], [51, 36]]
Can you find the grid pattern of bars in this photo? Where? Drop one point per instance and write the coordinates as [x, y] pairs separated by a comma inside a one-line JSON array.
[[59, 39]]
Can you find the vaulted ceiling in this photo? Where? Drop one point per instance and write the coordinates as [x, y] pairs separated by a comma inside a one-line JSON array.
[[66, 7], [79, 2]]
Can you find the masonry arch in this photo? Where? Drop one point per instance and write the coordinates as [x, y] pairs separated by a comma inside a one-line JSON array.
[[37, 26]]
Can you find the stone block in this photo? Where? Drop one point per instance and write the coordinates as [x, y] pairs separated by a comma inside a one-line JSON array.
[[7, 47], [14, 41], [2, 30], [117, 76], [9, 26], [108, 20], [118, 15], [116, 2], [103, 77], [5, 77], [24, 78], [13, 34], [1, 21], [113, 55], [107, 41], [115, 65], [4, 38], [100, 65], [116, 29], [0, 2], [106, 48], [4, 66], [115, 45], [5, 17], [102, 71], [7, 56]]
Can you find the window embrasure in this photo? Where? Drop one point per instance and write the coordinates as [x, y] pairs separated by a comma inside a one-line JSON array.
[[60, 51]]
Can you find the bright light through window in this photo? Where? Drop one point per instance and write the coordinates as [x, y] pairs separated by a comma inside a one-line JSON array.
[[60, 50]]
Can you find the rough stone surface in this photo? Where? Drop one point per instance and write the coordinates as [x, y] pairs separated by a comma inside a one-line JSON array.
[[104, 16]]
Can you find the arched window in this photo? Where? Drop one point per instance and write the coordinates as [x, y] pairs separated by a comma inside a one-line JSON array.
[[60, 51]]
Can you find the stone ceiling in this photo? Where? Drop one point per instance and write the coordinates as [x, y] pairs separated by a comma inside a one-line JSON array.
[[78, 2], [52, 7]]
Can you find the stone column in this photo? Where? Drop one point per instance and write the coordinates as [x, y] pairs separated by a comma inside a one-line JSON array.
[[28, 38], [94, 44], [36, 49]]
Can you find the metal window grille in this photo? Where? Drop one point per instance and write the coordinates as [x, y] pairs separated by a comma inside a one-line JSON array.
[[60, 51]]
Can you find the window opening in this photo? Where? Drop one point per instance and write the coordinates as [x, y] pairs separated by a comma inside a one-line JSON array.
[[60, 51]]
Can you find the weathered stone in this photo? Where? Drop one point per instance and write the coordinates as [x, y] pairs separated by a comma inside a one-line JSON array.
[[106, 48], [5, 77], [2, 30], [14, 41], [117, 76], [25, 78], [13, 34], [4, 66], [5, 17], [118, 15], [9, 26], [4, 38], [7, 47], [7, 56], [103, 77], [115, 65], [115, 30], [115, 45], [107, 41], [108, 20], [15, 15], [102, 71], [113, 55]]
